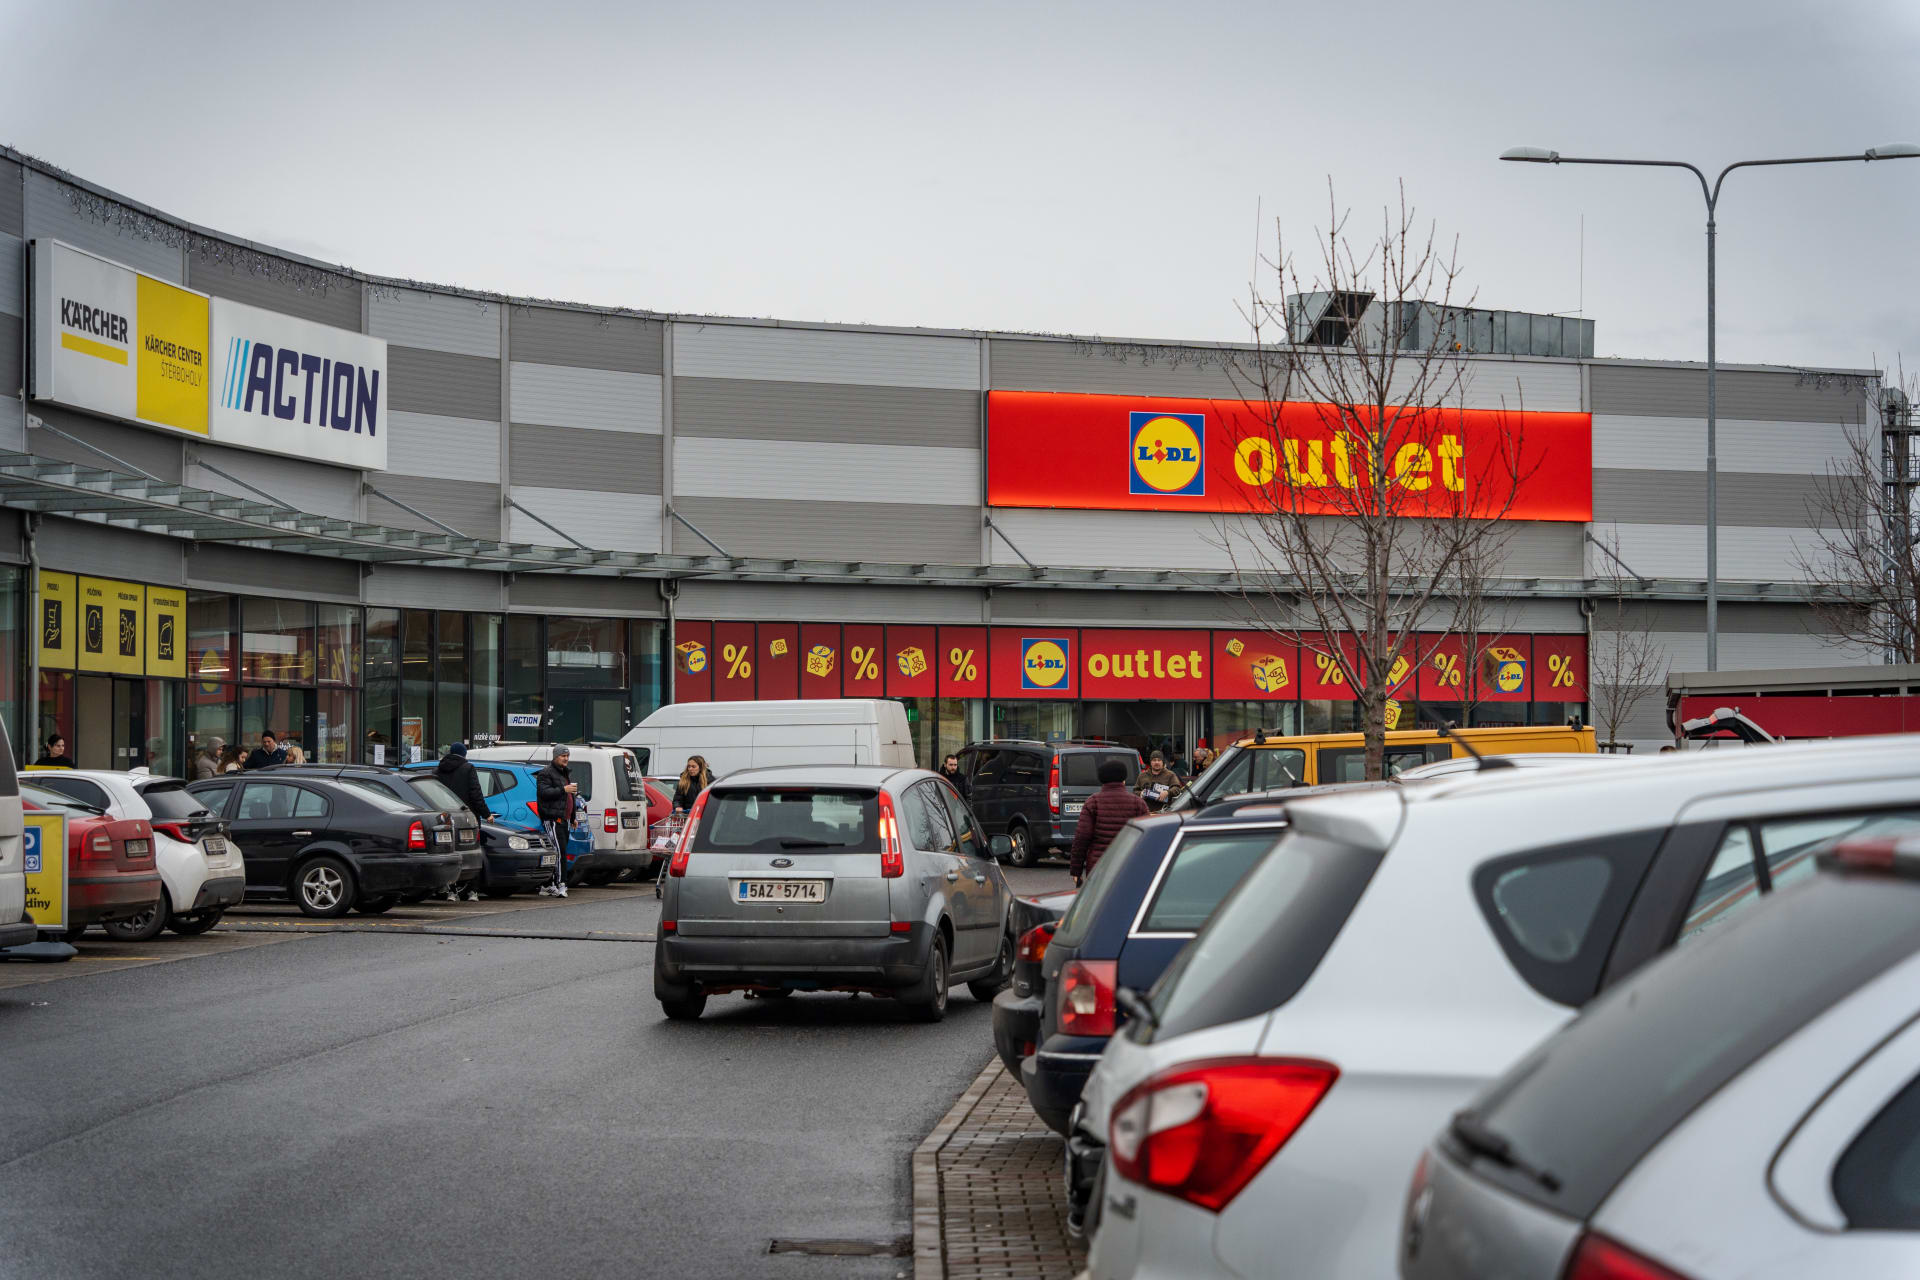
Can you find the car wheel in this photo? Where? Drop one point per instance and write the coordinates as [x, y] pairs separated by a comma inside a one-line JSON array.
[[1024, 854], [141, 928], [928, 997], [685, 1008], [985, 989], [198, 922], [374, 906], [324, 888]]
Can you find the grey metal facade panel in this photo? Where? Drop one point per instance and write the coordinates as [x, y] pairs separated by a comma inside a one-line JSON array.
[[458, 386], [750, 409], [1748, 553], [338, 304], [598, 519], [81, 546], [215, 566], [705, 467], [566, 593], [1544, 549], [777, 601], [12, 199], [417, 587], [13, 276], [570, 458], [435, 321], [10, 355], [1680, 497], [13, 541], [558, 395], [304, 486], [832, 530], [1736, 618], [1120, 369], [1640, 443], [588, 339], [160, 452], [1760, 396], [13, 424], [51, 212], [793, 353], [1198, 607], [473, 509], [432, 444]]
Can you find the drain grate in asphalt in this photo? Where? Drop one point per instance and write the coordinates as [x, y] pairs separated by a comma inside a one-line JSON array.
[[899, 1247]]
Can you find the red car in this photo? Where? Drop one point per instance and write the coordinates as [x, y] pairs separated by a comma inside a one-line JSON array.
[[110, 871]]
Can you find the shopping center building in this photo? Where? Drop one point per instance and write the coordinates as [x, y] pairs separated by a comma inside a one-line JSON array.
[[240, 489]]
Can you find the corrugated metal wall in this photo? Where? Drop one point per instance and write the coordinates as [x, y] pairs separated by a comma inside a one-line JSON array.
[[216, 567], [304, 486], [435, 321], [599, 519], [52, 211], [318, 296], [415, 587]]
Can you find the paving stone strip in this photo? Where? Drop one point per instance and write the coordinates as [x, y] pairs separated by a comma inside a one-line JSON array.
[[989, 1202]]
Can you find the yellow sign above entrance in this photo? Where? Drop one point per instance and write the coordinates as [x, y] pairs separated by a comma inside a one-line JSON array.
[[110, 639], [58, 618], [167, 632]]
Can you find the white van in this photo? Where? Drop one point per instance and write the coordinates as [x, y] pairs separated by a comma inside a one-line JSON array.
[[753, 735], [15, 929]]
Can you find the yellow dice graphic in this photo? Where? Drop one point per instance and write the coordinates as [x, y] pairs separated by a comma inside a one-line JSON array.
[[1504, 668], [913, 662], [1235, 648], [820, 660], [776, 648], [1270, 674], [693, 656]]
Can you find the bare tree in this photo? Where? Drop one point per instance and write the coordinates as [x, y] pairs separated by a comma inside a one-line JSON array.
[[1368, 497], [1625, 663], [1480, 616], [1867, 533]]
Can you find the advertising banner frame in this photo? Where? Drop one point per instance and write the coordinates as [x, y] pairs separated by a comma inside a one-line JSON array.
[[49, 877]]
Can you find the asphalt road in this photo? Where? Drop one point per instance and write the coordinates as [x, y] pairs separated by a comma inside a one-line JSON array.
[[395, 1104]]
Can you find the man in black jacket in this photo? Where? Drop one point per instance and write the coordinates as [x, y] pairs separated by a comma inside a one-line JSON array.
[[553, 797], [463, 780], [269, 752]]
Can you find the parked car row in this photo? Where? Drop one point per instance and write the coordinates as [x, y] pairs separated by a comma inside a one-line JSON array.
[[1256, 1016]]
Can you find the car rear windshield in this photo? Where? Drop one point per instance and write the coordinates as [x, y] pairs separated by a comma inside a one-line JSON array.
[[626, 776], [380, 796], [171, 803], [1099, 886], [1082, 768], [48, 798], [790, 820], [1204, 870], [1591, 1101], [439, 795], [1266, 939]]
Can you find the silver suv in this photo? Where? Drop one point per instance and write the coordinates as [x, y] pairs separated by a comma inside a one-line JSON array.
[[833, 878]]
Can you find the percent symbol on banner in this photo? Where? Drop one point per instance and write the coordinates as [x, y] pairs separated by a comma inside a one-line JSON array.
[[1562, 668], [1329, 668], [961, 660], [866, 664], [739, 666], [1448, 666]]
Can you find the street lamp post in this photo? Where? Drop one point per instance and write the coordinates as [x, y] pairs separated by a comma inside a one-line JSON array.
[[1537, 155]]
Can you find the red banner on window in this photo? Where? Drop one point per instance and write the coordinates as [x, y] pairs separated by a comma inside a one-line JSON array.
[[1035, 662], [963, 662], [820, 660], [1141, 453], [692, 662], [863, 647], [779, 660], [911, 660], [1562, 673], [1172, 665], [733, 662], [1504, 670], [1321, 675], [1255, 665]]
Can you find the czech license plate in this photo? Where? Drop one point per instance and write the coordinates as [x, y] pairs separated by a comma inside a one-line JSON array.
[[629, 819], [443, 837], [1073, 809], [216, 847], [781, 891], [546, 859]]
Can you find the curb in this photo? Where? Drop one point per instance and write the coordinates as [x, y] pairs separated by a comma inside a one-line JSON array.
[[929, 1253], [438, 930]]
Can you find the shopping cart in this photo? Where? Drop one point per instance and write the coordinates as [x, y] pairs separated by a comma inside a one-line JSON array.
[[662, 838]]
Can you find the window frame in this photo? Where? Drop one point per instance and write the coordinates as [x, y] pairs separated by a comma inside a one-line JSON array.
[[1138, 929]]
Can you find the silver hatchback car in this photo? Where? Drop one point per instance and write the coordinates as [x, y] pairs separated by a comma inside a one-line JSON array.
[[833, 878]]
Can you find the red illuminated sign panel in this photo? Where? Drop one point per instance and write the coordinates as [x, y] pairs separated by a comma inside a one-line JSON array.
[[1254, 665], [1139, 453]]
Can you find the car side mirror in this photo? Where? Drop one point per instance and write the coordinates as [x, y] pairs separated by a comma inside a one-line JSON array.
[[1000, 847]]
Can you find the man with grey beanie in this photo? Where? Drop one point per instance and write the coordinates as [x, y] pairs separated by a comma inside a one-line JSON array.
[[554, 792]]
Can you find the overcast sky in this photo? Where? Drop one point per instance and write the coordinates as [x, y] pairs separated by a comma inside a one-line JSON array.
[[1097, 168]]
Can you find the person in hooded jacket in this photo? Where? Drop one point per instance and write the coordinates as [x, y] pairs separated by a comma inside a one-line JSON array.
[[554, 795], [461, 778]]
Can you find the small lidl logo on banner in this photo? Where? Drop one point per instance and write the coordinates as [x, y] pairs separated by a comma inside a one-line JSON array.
[[1043, 663], [693, 657], [1270, 674], [1168, 454]]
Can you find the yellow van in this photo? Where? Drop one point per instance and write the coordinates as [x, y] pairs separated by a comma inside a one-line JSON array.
[[1262, 763]]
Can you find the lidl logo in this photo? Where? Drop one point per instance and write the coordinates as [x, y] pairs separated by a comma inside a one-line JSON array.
[[1168, 454], [693, 657], [1504, 668], [1043, 663]]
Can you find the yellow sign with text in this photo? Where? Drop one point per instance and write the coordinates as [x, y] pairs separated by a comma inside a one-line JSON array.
[[45, 845], [58, 618], [167, 632], [171, 360], [110, 626]]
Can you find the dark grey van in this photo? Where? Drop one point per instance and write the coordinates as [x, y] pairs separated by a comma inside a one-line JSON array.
[[1032, 791]]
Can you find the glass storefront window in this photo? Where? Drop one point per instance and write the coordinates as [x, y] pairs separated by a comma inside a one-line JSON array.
[[647, 639], [524, 656], [383, 681], [1049, 721], [1321, 715], [287, 712], [166, 729], [1233, 721], [416, 681], [210, 713], [489, 720], [210, 637], [451, 679], [333, 736], [961, 720], [586, 653], [55, 715], [338, 644], [276, 640]]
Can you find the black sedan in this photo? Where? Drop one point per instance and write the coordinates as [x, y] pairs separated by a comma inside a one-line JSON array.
[[328, 845], [417, 790], [1016, 1011]]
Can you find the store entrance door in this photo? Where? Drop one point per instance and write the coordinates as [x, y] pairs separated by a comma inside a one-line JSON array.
[[1147, 727], [110, 722], [587, 717]]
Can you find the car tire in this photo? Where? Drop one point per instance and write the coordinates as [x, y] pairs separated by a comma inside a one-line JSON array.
[[144, 927], [374, 906], [323, 888], [197, 922], [687, 1008], [1024, 854], [985, 989], [928, 997]]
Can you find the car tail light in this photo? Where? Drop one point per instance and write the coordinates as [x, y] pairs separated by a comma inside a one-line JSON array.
[[178, 830], [1033, 943], [417, 838], [100, 845], [610, 822], [1598, 1258], [893, 863], [1053, 788], [678, 867], [669, 926], [1086, 997], [900, 926], [1201, 1133]]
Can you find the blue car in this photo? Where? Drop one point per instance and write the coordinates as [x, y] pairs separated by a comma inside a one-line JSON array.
[[510, 796]]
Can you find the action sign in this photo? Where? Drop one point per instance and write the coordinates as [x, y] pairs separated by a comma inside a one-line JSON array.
[[44, 839]]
